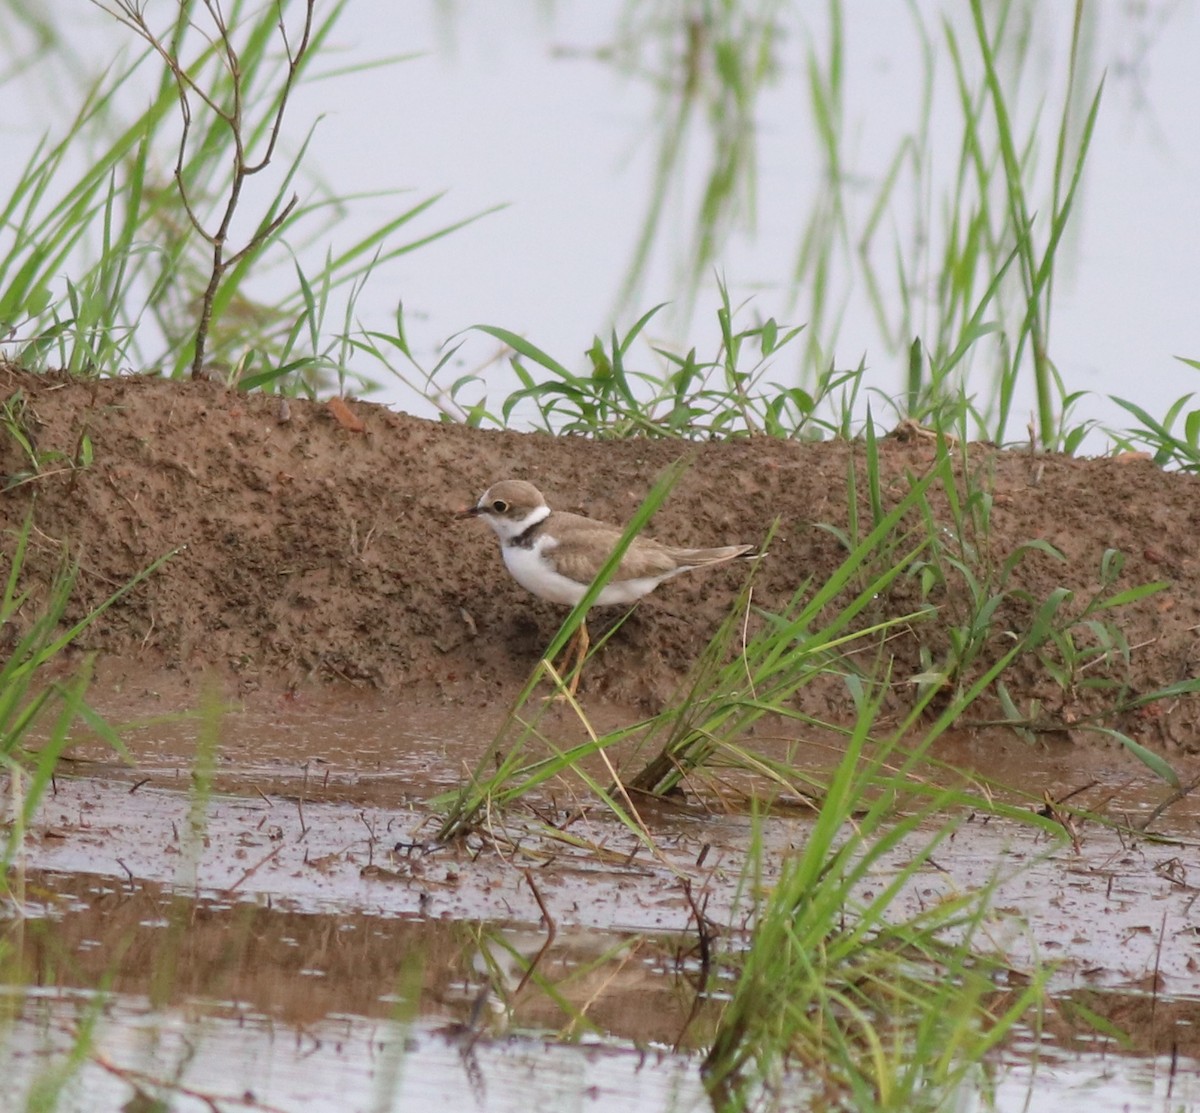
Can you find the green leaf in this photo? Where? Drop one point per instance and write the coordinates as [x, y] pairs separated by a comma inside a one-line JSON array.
[[1132, 595], [1152, 761], [528, 350]]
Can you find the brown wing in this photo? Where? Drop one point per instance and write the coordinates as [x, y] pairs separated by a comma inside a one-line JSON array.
[[644, 557]]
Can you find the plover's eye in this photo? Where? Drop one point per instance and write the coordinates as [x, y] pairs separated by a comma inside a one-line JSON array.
[[499, 506]]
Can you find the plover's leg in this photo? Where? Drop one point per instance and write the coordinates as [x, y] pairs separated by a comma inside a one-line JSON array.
[[572, 661], [582, 642]]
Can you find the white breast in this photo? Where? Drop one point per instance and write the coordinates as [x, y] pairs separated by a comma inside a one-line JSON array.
[[535, 574]]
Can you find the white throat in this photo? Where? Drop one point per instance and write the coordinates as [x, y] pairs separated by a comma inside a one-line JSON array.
[[508, 528]]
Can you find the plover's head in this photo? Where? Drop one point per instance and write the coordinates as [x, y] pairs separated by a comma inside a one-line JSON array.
[[510, 507]]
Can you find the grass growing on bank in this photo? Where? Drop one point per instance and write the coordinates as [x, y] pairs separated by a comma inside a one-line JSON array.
[[969, 618], [133, 263], [130, 264], [159, 274]]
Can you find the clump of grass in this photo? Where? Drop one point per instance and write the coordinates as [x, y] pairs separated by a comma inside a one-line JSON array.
[[38, 715], [843, 990], [1078, 642], [1168, 446], [873, 1002], [969, 601], [738, 391], [815, 634]]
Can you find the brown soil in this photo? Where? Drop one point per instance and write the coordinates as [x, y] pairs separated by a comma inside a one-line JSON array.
[[307, 548]]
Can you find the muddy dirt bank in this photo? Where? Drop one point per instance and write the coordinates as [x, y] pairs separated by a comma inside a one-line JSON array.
[[311, 547]]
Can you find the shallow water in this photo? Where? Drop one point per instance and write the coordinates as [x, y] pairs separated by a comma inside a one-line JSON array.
[[301, 937], [241, 1059]]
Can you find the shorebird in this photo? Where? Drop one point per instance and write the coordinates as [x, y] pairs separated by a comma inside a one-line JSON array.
[[556, 555]]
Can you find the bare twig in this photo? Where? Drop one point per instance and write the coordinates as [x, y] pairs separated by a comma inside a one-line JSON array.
[[1179, 794], [551, 932], [249, 873], [231, 117]]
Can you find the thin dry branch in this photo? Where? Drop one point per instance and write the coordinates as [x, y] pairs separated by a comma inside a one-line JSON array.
[[221, 42]]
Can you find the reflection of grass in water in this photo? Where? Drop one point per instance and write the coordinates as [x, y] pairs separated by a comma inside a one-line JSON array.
[[139, 982]]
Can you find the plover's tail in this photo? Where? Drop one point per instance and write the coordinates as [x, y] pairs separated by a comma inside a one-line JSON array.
[[699, 558]]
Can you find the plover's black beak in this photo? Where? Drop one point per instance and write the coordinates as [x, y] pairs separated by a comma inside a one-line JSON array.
[[469, 512]]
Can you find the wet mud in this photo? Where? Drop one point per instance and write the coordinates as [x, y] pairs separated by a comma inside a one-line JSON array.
[[306, 893]]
